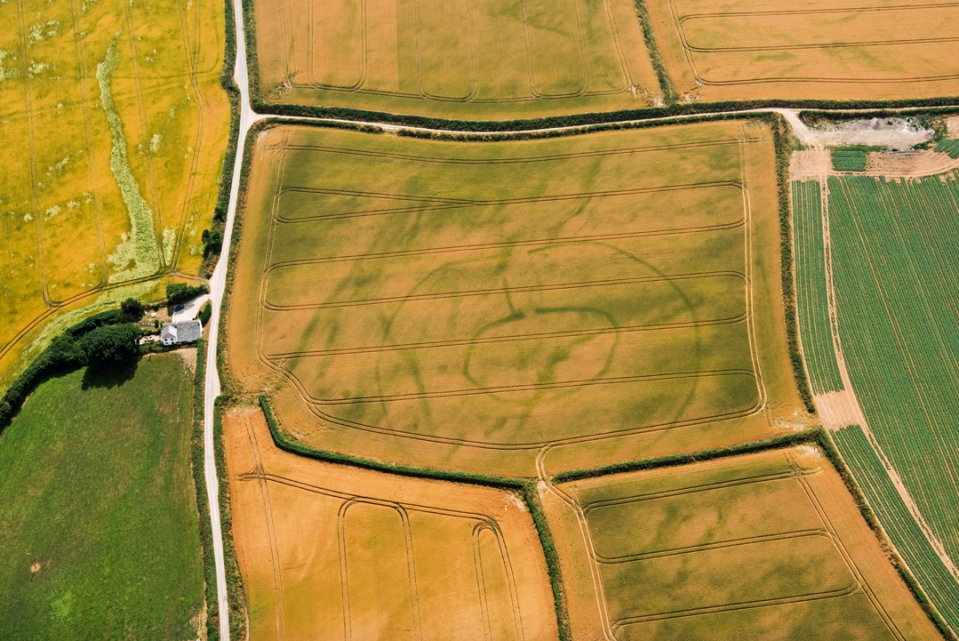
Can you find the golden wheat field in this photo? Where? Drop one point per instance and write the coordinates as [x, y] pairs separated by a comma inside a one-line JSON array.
[[114, 127], [762, 546], [719, 50], [466, 59], [456, 305], [337, 552]]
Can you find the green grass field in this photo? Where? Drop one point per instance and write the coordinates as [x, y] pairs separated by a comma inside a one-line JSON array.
[[902, 529], [848, 159], [97, 489], [811, 293], [893, 249]]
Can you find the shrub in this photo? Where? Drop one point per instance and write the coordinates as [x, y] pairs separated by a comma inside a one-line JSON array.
[[205, 313], [212, 241], [132, 309], [180, 292], [111, 346]]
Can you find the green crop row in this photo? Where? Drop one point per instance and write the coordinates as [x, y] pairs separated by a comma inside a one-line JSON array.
[[903, 531], [949, 146], [892, 247], [813, 299], [848, 159]]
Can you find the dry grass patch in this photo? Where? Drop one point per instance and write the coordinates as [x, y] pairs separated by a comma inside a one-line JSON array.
[[332, 552], [718, 50], [455, 59], [115, 126], [581, 301], [764, 546]]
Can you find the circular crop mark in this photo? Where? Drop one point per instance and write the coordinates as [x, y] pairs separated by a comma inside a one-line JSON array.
[[536, 367]]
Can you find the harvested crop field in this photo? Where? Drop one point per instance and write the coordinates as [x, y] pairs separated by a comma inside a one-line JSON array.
[[114, 125], [454, 58], [763, 546], [758, 50], [338, 552], [456, 305]]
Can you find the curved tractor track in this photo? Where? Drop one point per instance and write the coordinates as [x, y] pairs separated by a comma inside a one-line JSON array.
[[248, 117]]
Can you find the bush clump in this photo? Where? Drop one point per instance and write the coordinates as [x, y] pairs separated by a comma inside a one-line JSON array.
[[181, 292], [110, 346]]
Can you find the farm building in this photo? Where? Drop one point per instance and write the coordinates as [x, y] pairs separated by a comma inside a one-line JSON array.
[[179, 333]]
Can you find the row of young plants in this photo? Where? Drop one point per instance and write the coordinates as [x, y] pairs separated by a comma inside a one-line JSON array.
[[812, 297], [902, 529], [892, 244]]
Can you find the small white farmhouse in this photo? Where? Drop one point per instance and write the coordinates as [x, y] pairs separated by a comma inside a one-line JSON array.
[[179, 333]]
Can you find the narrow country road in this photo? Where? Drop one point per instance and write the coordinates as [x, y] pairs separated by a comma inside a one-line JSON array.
[[217, 286], [218, 281]]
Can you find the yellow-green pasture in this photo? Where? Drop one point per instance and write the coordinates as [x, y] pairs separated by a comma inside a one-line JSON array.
[[114, 126]]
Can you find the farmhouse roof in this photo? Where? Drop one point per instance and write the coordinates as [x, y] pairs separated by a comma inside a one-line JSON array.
[[185, 332]]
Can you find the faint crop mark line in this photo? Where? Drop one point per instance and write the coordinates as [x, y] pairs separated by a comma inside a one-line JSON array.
[[311, 40], [750, 316], [703, 144], [484, 445], [500, 389], [141, 104], [707, 547], [688, 50], [470, 293], [847, 558], [32, 153], [453, 205], [481, 583], [191, 63], [260, 473], [537, 242], [282, 357], [741, 605], [599, 590], [421, 87], [88, 133], [301, 390]]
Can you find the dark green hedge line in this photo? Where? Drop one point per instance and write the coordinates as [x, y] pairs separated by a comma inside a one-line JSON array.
[[655, 57], [202, 504], [777, 442], [944, 106], [782, 141], [531, 497], [236, 598], [828, 447], [288, 445], [584, 119]]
